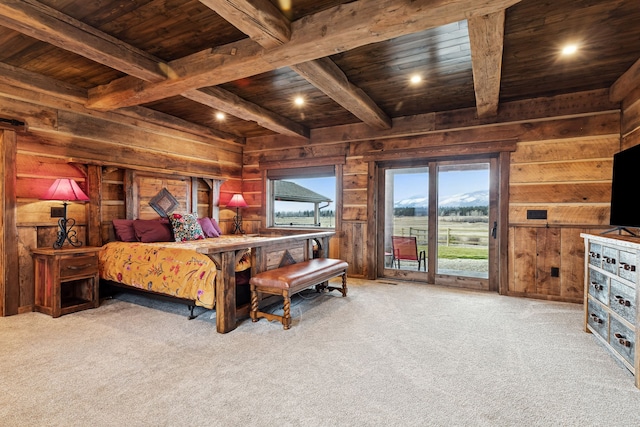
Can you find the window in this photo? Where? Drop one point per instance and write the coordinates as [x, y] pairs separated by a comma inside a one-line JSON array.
[[302, 197]]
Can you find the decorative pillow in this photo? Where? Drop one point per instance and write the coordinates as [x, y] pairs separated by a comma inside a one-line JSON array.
[[186, 227], [148, 230], [207, 227], [124, 231], [216, 226]]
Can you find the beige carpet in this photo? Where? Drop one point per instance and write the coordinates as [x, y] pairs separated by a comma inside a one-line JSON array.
[[387, 355]]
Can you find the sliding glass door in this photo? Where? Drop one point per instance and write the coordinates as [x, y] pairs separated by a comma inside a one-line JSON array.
[[463, 220], [437, 222], [406, 219]]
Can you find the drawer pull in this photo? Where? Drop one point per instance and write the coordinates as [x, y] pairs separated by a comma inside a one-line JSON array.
[[595, 318], [594, 254], [79, 267], [623, 301], [622, 340], [597, 286], [609, 260], [627, 266]]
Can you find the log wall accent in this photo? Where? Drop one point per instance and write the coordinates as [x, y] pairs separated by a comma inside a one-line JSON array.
[[562, 164]]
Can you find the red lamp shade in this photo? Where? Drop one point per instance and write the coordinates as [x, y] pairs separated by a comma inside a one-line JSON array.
[[237, 201], [65, 189]]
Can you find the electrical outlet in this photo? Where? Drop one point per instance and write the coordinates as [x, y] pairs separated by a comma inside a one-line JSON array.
[[536, 214], [57, 212]]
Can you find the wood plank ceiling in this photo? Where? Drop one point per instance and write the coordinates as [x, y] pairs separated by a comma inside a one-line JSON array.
[[349, 60]]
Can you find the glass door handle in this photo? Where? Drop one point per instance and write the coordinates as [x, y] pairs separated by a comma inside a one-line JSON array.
[[494, 230]]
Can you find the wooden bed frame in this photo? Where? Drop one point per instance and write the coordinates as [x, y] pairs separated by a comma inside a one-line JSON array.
[[268, 251], [243, 298]]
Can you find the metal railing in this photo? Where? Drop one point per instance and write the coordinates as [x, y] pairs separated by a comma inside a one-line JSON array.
[[447, 236]]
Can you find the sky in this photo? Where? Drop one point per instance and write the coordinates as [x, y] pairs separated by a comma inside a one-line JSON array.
[[451, 183]]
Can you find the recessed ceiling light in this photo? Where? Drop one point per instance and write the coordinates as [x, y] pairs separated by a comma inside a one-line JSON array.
[[299, 100], [415, 79], [285, 4], [220, 115], [570, 49]]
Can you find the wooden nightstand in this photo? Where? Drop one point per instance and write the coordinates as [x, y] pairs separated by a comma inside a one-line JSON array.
[[66, 280]]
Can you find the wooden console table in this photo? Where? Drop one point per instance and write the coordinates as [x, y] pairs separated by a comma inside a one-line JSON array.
[[267, 250]]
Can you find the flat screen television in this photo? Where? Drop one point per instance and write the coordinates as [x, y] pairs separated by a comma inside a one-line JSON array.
[[624, 189]]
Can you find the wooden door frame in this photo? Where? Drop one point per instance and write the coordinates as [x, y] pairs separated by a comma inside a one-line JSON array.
[[499, 175]]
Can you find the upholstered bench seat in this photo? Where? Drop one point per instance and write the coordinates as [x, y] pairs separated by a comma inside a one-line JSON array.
[[291, 279]]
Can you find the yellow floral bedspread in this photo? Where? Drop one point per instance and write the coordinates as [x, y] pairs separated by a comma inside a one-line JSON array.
[[174, 271]]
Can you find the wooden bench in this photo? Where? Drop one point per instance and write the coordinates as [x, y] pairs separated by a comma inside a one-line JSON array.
[[291, 279]]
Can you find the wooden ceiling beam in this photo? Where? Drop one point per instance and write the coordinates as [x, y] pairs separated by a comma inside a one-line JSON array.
[[15, 82], [28, 80], [325, 75], [331, 31], [230, 103], [267, 26], [49, 25], [625, 83], [486, 37], [259, 19]]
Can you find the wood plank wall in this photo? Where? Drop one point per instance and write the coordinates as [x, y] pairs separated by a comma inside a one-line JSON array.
[[65, 140], [562, 164], [631, 119]]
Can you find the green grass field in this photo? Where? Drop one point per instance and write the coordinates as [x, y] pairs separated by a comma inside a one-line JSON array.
[[467, 240], [457, 252]]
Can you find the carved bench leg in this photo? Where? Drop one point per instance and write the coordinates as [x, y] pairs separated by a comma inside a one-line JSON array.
[[286, 318], [326, 286], [254, 304], [344, 284]]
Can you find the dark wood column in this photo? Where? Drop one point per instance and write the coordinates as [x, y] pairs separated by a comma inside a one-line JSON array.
[[94, 214], [9, 278]]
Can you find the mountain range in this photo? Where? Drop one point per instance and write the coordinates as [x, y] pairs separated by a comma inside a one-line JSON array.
[[475, 198]]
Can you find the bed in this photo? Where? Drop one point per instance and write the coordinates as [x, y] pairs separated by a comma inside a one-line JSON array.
[[219, 268], [173, 269], [217, 271]]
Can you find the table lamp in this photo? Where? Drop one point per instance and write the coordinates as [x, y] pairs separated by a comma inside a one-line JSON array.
[[237, 201], [66, 190]]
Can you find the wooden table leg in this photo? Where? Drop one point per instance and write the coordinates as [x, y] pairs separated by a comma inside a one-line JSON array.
[[226, 293]]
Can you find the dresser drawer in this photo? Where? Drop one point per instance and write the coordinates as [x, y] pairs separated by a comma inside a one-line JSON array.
[[623, 300], [599, 286], [610, 259], [79, 265], [598, 319], [595, 254], [627, 268], [623, 340]]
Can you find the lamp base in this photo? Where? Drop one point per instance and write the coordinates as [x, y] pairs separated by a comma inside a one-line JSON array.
[[237, 225], [66, 233]]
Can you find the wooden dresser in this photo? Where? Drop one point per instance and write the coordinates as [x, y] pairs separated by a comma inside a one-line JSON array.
[[612, 267]]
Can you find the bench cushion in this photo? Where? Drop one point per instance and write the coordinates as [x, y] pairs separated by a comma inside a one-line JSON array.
[[307, 273]]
